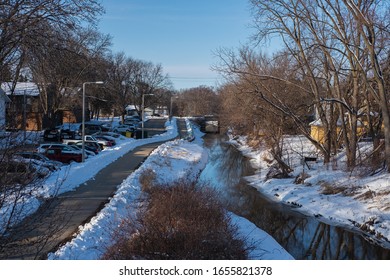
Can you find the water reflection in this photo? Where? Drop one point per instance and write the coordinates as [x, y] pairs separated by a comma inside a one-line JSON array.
[[303, 237]]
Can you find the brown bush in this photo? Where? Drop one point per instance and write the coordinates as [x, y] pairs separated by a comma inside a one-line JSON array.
[[329, 189], [180, 222], [147, 179]]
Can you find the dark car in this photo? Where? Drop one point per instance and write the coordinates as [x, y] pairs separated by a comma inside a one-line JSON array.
[[90, 146], [91, 128], [57, 134], [67, 134], [52, 134]]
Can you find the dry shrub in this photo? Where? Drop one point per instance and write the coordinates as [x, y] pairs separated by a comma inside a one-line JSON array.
[[147, 179], [366, 195], [329, 189], [180, 222]]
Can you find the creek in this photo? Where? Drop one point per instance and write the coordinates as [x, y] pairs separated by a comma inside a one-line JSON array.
[[304, 237]]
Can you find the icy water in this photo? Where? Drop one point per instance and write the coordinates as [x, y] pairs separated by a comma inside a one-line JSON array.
[[303, 237]]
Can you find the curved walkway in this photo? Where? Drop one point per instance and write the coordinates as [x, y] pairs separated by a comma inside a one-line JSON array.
[[59, 219]]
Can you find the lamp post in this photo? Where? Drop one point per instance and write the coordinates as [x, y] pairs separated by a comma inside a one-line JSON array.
[[171, 108], [143, 112], [83, 119]]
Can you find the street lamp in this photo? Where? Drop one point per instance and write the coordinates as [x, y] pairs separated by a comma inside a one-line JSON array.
[[170, 109], [83, 119], [143, 112]]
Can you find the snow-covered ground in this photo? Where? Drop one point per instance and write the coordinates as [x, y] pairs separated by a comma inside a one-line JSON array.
[[170, 162], [356, 201]]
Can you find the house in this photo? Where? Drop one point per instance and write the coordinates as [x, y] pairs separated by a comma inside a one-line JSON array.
[[23, 111], [317, 130], [161, 110], [4, 100]]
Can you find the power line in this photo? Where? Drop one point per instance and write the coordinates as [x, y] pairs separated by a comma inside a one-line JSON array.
[[192, 78]]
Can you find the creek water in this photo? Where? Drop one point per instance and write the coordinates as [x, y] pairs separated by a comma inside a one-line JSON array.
[[302, 236]]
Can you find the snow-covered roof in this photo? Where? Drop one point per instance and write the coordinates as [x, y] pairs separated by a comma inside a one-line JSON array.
[[21, 88], [317, 122], [130, 107]]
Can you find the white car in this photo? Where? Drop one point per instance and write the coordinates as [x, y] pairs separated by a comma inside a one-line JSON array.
[[123, 128]]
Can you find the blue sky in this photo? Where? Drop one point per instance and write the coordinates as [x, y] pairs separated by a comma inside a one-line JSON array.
[[181, 35]]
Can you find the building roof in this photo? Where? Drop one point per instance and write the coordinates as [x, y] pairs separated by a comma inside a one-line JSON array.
[[130, 107], [21, 88]]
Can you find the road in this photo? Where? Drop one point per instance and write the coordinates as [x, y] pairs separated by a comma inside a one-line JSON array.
[[59, 219]]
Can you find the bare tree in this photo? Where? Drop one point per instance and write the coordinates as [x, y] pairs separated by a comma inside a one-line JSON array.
[[200, 100], [263, 107], [62, 64], [149, 79], [372, 23], [120, 79], [129, 79], [21, 23]]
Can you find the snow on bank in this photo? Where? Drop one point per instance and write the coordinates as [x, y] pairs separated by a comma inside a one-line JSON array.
[[358, 202]]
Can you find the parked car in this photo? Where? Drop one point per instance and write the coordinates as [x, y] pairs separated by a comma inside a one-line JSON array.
[[44, 161], [132, 121], [88, 152], [80, 150], [63, 155], [88, 138], [52, 134], [90, 146], [43, 147], [135, 118], [92, 128], [58, 133], [123, 128], [111, 134], [109, 141], [106, 126], [103, 143], [68, 134]]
